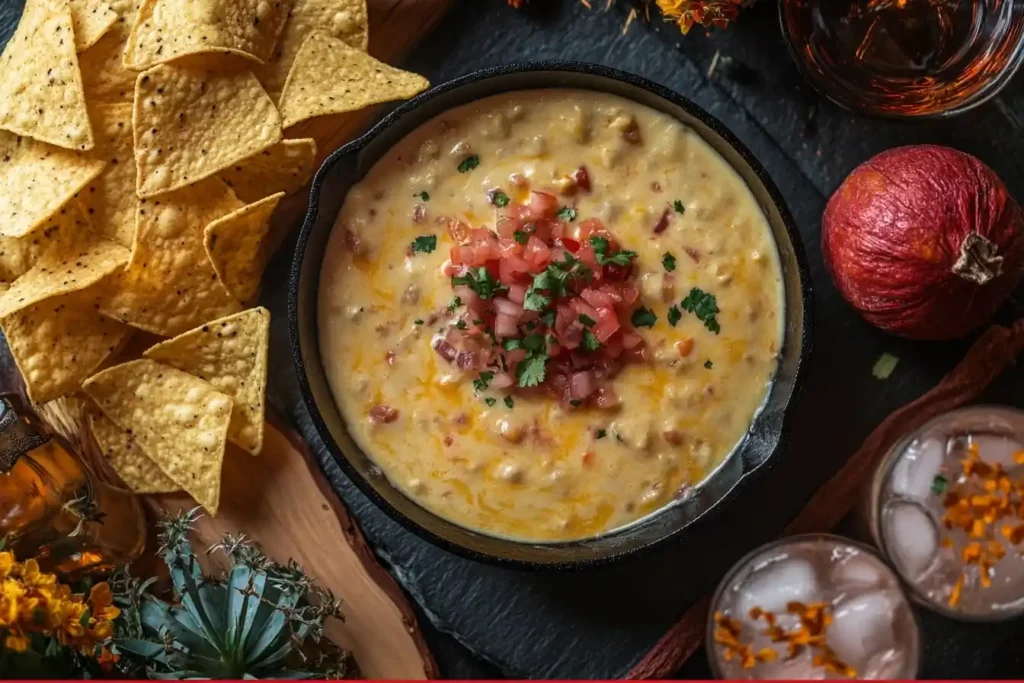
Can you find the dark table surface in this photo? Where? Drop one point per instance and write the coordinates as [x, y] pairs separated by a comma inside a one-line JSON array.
[[487, 622]]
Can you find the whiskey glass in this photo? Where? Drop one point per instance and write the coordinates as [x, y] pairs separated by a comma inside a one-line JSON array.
[[906, 58]]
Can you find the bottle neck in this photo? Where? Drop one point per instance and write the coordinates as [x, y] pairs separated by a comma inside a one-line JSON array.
[[17, 435]]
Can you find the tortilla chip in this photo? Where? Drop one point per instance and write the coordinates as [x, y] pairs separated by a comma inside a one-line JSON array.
[[230, 354], [285, 167], [168, 29], [57, 343], [133, 466], [36, 181], [62, 233], [191, 123], [179, 421], [104, 77], [63, 271], [169, 284], [41, 92], [235, 245], [110, 199], [342, 19], [91, 20], [329, 77]]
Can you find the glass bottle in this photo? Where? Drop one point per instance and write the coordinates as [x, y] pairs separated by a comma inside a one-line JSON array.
[[52, 506]]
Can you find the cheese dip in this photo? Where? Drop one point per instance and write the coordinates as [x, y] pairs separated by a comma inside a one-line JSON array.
[[549, 313]]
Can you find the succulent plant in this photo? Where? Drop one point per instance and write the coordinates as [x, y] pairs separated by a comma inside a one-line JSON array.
[[260, 620]]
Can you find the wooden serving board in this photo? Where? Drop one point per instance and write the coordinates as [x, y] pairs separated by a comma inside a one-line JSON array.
[[280, 499]]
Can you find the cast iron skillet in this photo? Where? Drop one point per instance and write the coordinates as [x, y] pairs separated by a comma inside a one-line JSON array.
[[349, 164]]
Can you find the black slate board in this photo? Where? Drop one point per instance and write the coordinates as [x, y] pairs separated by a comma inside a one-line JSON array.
[[488, 621]]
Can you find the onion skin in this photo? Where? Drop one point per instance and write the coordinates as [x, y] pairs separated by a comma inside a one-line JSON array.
[[924, 241]]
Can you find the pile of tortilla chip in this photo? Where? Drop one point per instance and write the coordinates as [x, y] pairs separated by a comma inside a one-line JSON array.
[[144, 148]]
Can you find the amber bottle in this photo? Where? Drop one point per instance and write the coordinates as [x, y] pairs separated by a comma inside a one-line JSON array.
[[52, 506]]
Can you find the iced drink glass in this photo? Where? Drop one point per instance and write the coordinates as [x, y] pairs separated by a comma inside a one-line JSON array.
[[812, 607], [946, 507]]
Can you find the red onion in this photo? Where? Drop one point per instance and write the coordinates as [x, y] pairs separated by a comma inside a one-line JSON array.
[[581, 385], [505, 326], [517, 293], [543, 205], [505, 307]]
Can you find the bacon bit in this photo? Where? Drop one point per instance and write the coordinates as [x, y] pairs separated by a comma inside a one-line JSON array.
[[419, 212], [352, 242], [588, 458], [655, 186], [673, 437], [684, 346], [662, 223], [383, 414], [448, 440], [520, 181], [582, 178], [390, 358], [631, 133], [693, 253]]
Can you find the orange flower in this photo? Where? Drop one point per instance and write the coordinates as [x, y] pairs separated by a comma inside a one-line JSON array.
[[7, 564], [102, 602], [16, 641]]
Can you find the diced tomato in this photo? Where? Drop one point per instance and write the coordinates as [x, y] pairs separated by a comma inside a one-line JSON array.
[[598, 298], [505, 326], [543, 205], [569, 244], [538, 254], [613, 271], [607, 324], [593, 227], [568, 328], [589, 258], [520, 212], [510, 246], [507, 307], [462, 255], [542, 229], [582, 178], [513, 270], [507, 226], [517, 293], [630, 340]]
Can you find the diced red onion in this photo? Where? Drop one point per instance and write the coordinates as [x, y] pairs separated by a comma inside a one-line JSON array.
[[517, 294], [581, 385], [505, 326], [508, 308]]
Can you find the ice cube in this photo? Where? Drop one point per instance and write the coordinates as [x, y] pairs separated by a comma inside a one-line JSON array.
[[863, 627], [914, 473], [776, 583], [998, 449], [800, 668], [885, 666], [911, 537], [858, 570]]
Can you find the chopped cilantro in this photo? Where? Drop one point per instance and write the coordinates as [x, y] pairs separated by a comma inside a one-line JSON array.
[[708, 364], [885, 366], [490, 400], [674, 315], [678, 206], [600, 246], [424, 244], [643, 317], [478, 321], [567, 213], [461, 324], [533, 343], [521, 236], [535, 301], [587, 320], [417, 321], [456, 302], [480, 281], [469, 163], [668, 261], [548, 318], [704, 306], [939, 485], [531, 371], [511, 344], [499, 199], [601, 433], [590, 342], [423, 195], [483, 381], [509, 402]]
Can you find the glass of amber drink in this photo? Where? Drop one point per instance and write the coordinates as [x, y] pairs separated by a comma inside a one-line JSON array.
[[814, 606], [947, 508]]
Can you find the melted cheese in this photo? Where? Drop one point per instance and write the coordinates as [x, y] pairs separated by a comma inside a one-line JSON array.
[[537, 471]]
